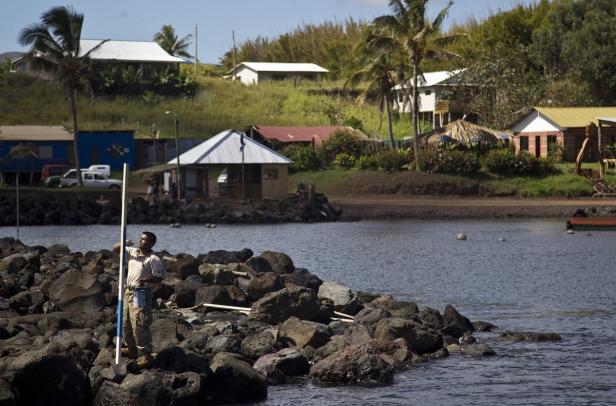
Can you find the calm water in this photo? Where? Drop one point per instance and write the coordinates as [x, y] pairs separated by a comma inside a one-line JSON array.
[[539, 279]]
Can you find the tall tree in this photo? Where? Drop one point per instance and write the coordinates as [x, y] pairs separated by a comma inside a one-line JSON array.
[[379, 75], [55, 50], [169, 41], [408, 29]]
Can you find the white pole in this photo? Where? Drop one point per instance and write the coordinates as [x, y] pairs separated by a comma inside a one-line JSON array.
[[122, 261], [17, 196]]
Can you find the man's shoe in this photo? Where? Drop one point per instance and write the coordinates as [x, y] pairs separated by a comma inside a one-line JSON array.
[[126, 352], [145, 361]]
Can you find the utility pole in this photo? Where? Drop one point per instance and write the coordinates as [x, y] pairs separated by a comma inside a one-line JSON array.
[[234, 64], [196, 51]]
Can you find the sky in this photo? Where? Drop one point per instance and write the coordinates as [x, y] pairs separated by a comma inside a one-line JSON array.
[[139, 20]]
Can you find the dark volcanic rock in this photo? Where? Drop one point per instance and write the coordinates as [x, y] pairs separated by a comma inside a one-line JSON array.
[[290, 361], [452, 318], [483, 326], [263, 284], [354, 365], [77, 291], [418, 338], [303, 333], [259, 344], [226, 257], [185, 266], [278, 306], [235, 380], [301, 277], [477, 350], [280, 262], [259, 264]]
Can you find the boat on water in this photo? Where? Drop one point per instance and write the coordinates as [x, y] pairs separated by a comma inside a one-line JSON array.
[[592, 223]]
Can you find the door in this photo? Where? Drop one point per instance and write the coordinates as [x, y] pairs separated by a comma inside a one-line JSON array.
[[538, 146]]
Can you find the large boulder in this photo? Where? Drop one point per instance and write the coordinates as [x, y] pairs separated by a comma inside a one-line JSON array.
[[281, 263], [259, 264], [147, 388], [431, 318], [179, 360], [218, 274], [302, 277], [57, 379], [165, 333], [76, 291], [344, 299], [303, 333], [185, 293], [477, 350], [235, 380], [405, 310], [278, 306], [226, 257], [259, 344], [419, 339], [27, 302], [456, 323], [354, 365], [370, 317], [8, 397], [290, 361], [263, 284], [185, 266], [214, 294]]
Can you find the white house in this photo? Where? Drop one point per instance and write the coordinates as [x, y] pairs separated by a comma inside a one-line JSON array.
[[442, 97], [251, 73]]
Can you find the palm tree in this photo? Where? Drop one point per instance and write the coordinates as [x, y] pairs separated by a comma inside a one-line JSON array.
[[409, 30], [380, 77], [56, 50], [168, 40]]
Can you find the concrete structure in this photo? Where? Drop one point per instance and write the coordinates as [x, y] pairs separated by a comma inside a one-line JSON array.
[[552, 129], [279, 136], [250, 73], [51, 144], [443, 97], [265, 171]]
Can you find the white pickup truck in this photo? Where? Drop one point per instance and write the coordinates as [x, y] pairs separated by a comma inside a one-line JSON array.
[[90, 179]]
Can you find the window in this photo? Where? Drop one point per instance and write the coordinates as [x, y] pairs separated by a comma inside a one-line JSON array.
[[270, 174], [45, 152], [428, 92], [523, 143], [98, 176]]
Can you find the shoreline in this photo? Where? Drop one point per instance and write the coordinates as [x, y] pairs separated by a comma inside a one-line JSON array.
[[379, 207]]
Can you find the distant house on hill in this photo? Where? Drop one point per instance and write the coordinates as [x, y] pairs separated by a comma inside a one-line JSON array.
[[443, 97], [251, 73], [277, 137], [146, 56], [546, 129]]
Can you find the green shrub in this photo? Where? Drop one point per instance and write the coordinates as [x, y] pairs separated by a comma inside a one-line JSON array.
[[391, 160], [354, 122], [449, 161], [505, 162], [366, 162], [341, 142], [304, 158], [344, 160]]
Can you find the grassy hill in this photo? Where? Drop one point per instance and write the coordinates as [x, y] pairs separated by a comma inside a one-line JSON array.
[[218, 105]]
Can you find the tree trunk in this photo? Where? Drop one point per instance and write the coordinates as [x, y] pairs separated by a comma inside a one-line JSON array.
[[389, 124], [73, 97], [415, 113]]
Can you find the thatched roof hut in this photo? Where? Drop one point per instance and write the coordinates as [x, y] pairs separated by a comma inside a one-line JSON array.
[[462, 132]]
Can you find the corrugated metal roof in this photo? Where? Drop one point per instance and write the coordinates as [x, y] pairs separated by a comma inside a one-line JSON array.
[[130, 51], [224, 149], [34, 133], [430, 79], [282, 67], [303, 134], [569, 117]]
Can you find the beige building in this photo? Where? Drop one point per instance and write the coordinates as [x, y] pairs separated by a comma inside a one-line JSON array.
[[233, 165]]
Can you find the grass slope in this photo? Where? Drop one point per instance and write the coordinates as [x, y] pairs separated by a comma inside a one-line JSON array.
[[217, 106], [356, 183]]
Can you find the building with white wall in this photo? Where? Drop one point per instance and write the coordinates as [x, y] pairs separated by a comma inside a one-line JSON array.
[[250, 73]]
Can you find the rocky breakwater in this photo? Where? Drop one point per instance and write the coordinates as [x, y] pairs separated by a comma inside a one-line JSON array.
[[69, 208], [58, 315]]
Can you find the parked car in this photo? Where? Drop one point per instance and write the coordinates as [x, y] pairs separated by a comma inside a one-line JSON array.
[[104, 169], [52, 170], [90, 179]]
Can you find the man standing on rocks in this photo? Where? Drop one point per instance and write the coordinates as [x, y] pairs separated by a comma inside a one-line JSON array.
[[144, 269]]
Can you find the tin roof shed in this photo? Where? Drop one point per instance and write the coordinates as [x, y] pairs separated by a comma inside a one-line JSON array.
[[224, 149]]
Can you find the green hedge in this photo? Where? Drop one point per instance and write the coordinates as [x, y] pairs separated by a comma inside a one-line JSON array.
[[505, 162], [449, 161]]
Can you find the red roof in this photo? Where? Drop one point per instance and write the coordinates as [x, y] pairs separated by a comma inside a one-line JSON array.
[[302, 134]]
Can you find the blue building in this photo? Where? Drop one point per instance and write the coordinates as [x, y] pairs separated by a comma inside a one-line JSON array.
[[106, 148], [51, 144]]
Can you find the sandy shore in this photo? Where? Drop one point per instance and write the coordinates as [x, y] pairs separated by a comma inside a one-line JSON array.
[[384, 207]]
